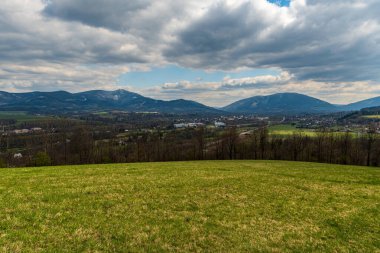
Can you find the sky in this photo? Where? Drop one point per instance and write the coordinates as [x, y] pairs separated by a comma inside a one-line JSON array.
[[211, 51]]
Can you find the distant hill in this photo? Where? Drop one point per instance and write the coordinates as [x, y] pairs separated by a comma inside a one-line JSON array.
[[281, 103], [372, 102], [62, 101]]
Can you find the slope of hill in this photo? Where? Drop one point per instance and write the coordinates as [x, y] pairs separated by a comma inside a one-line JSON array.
[[216, 206], [372, 102], [61, 101], [281, 103]]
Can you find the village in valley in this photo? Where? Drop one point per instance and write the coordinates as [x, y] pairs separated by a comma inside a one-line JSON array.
[[21, 140]]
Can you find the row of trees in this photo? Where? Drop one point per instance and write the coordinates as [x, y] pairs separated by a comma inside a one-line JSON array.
[[324, 147], [82, 146]]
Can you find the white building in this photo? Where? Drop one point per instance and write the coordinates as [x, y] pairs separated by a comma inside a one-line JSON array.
[[17, 156], [219, 124], [21, 131], [188, 125], [180, 125]]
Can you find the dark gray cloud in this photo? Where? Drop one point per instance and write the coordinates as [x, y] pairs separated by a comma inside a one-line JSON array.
[[215, 33], [27, 36], [145, 20], [111, 14], [321, 40]]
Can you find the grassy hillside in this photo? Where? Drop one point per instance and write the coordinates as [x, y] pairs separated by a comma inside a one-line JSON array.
[[228, 206]]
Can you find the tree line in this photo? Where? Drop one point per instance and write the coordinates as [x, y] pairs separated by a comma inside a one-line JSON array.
[[84, 146]]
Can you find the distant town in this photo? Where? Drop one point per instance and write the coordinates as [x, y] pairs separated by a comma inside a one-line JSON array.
[[29, 139]]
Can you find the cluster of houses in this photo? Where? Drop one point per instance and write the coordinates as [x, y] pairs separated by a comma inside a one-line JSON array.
[[217, 124], [27, 131], [188, 125], [21, 131]]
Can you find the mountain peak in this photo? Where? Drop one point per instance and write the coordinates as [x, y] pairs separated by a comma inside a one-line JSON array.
[[280, 103]]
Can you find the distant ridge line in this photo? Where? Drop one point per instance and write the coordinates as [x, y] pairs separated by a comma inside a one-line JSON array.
[[92, 100]]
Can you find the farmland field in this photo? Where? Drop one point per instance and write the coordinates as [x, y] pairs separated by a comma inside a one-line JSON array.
[[284, 130], [372, 116], [21, 116], [213, 206], [287, 130]]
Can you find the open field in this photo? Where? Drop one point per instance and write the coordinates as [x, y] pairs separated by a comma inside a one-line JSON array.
[[284, 130], [372, 116], [215, 206], [287, 130], [21, 116]]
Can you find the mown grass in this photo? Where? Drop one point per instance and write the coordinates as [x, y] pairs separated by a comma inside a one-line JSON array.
[[212, 206]]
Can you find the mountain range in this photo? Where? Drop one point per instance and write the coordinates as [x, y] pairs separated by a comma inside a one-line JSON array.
[[96, 100]]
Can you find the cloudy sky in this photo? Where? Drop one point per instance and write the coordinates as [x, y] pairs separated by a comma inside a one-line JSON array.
[[212, 51]]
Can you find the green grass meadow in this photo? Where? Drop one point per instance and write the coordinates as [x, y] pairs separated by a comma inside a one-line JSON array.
[[285, 130], [212, 206], [21, 116], [372, 116]]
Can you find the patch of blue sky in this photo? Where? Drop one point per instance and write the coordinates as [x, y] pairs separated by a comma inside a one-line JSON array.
[[173, 74], [280, 2]]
